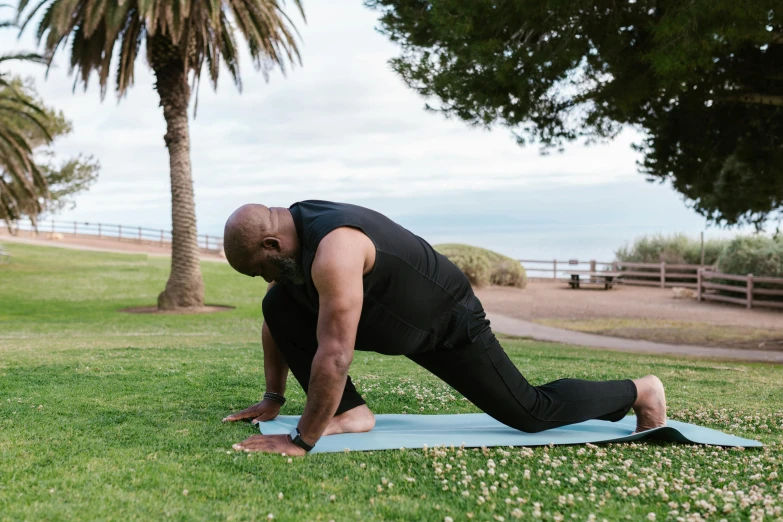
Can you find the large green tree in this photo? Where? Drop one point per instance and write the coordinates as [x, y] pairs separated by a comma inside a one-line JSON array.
[[703, 79], [181, 38]]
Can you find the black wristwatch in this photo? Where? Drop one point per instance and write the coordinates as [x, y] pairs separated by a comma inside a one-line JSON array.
[[296, 438]]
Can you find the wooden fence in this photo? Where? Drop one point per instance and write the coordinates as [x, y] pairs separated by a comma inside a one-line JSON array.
[[713, 286], [662, 275], [554, 269], [141, 235]]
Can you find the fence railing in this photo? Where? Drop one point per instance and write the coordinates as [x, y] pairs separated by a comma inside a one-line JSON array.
[[553, 269], [713, 286], [141, 235], [662, 275]]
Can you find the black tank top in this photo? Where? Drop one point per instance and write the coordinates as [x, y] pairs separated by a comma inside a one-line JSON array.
[[415, 299]]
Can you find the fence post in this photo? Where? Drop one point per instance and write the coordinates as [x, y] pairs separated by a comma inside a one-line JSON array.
[[207, 242], [698, 285], [52, 226], [139, 234], [749, 288], [161, 237], [99, 230], [663, 274], [120, 228], [554, 269], [74, 228]]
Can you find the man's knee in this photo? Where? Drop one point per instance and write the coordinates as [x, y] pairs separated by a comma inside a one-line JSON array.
[[532, 426], [522, 420]]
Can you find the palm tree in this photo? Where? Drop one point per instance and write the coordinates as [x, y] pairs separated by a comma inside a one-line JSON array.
[[181, 37], [23, 127]]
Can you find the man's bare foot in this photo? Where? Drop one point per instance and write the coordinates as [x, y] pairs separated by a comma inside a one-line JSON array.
[[650, 405], [355, 420]]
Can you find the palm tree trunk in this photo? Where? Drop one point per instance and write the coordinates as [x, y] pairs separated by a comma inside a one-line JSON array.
[[185, 287]]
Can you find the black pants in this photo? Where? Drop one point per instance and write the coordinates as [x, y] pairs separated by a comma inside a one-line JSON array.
[[476, 366]]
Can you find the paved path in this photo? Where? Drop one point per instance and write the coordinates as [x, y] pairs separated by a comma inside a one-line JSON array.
[[521, 328]]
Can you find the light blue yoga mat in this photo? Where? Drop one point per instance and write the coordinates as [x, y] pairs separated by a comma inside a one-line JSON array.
[[474, 430]]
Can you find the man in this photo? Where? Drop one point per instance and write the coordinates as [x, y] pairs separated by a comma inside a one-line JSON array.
[[343, 277]]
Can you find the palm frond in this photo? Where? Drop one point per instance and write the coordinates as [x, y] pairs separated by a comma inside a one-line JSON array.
[[204, 33], [24, 56]]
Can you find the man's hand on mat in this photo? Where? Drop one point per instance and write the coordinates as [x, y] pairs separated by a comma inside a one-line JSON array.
[[270, 444], [261, 412]]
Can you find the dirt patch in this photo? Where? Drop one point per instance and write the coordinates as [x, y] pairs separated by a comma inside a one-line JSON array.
[[542, 300], [207, 309], [632, 312], [675, 332]]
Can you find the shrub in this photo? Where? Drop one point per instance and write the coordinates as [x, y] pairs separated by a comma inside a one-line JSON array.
[[484, 267], [675, 249], [758, 255]]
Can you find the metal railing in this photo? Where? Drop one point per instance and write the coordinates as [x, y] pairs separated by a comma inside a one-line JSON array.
[[125, 233]]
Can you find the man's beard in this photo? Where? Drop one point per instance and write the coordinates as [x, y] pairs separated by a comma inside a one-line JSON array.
[[291, 272]]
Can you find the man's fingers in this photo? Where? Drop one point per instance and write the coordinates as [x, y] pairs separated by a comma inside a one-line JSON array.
[[237, 416], [244, 414]]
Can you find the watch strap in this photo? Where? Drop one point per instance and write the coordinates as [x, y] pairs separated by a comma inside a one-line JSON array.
[[296, 438]]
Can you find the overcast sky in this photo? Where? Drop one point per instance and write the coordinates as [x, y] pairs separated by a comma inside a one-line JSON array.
[[344, 127]]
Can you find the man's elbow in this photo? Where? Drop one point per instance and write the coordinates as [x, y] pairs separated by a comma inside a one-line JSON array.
[[338, 361]]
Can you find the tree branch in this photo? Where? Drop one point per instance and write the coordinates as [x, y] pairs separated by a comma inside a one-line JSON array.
[[753, 98]]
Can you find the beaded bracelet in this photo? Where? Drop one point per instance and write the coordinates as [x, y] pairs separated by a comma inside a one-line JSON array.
[[276, 397]]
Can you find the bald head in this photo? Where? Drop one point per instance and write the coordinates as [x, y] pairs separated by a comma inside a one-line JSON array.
[[261, 241], [246, 228]]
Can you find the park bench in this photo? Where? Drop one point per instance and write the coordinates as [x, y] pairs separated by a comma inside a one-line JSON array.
[[582, 277]]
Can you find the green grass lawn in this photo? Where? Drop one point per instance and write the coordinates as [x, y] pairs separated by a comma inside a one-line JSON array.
[[105, 415]]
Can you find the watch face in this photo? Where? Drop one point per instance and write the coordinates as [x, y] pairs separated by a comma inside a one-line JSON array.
[[296, 438]]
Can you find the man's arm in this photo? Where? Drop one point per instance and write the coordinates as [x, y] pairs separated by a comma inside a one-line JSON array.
[[275, 367], [276, 374], [337, 274]]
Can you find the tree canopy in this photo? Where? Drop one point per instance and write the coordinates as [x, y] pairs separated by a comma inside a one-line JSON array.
[[702, 79], [36, 182]]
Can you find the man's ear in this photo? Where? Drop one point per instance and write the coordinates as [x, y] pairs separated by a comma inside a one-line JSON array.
[[271, 243]]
